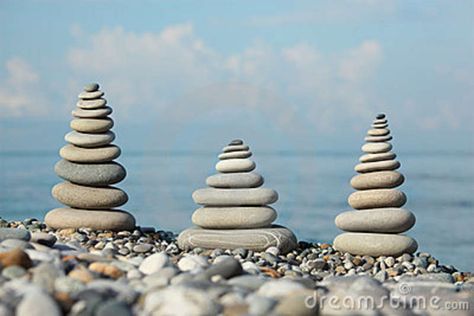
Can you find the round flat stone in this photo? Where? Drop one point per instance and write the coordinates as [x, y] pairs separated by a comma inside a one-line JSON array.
[[91, 87], [90, 95], [235, 148], [93, 113], [252, 239], [235, 180], [377, 157], [234, 217], [384, 165], [235, 154], [101, 174], [235, 165], [376, 148], [89, 140], [378, 132], [378, 220], [382, 120], [85, 125], [377, 198], [380, 116], [91, 104], [376, 139], [377, 180], [235, 197], [115, 220], [375, 245], [236, 142], [89, 155], [79, 196], [380, 125]]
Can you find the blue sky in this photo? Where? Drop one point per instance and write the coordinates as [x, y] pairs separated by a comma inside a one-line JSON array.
[[302, 74]]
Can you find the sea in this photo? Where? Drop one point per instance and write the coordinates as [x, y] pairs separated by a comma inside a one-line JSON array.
[[313, 188]]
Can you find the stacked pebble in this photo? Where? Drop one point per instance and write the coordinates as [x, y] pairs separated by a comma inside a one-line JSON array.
[[89, 170], [374, 228], [235, 212]]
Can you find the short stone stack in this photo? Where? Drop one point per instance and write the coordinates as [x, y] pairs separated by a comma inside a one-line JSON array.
[[89, 170], [374, 227], [235, 212]]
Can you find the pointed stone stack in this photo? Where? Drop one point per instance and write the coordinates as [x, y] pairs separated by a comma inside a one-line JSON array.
[[374, 227], [235, 212], [89, 170]]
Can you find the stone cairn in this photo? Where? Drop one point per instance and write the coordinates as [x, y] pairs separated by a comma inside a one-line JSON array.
[[235, 212], [374, 227], [89, 170]]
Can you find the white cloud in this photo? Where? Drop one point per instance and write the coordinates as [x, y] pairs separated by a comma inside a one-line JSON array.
[[20, 90], [152, 70]]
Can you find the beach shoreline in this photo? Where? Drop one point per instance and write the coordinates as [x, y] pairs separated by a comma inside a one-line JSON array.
[[143, 272]]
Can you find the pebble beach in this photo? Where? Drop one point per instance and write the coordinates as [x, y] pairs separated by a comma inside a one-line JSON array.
[[143, 272]]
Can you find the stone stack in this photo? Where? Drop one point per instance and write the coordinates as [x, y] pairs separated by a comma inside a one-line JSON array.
[[235, 212], [89, 170], [374, 227]]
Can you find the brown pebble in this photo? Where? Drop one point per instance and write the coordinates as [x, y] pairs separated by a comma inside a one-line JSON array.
[[357, 261], [270, 272], [81, 274], [66, 232], [340, 269], [324, 246], [106, 269], [15, 257]]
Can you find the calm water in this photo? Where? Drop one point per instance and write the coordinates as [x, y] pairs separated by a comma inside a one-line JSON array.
[[313, 189]]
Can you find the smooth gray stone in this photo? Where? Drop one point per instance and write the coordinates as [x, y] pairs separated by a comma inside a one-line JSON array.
[[113, 308], [115, 220], [380, 125], [78, 196], [91, 87], [234, 217], [93, 113], [251, 282], [380, 116], [377, 157], [91, 104], [102, 174], [379, 220], [226, 268], [235, 180], [235, 148], [14, 233], [377, 180], [89, 155], [235, 154], [236, 142], [89, 140], [235, 165], [85, 95], [376, 148], [154, 263], [36, 302], [16, 243], [377, 198], [235, 197], [384, 165], [375, 245], [91, 125], [252, 239], [378, 132], [375, 139]]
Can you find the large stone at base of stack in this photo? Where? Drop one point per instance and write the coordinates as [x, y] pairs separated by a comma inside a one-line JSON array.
[[89, 171], [374, 228], [235, 212]]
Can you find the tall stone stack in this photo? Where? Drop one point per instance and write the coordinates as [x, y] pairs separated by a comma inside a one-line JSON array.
[[375, 227], [235, 211], [89, 170]]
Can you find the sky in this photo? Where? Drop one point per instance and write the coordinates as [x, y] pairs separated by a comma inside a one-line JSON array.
[[187, 75]]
